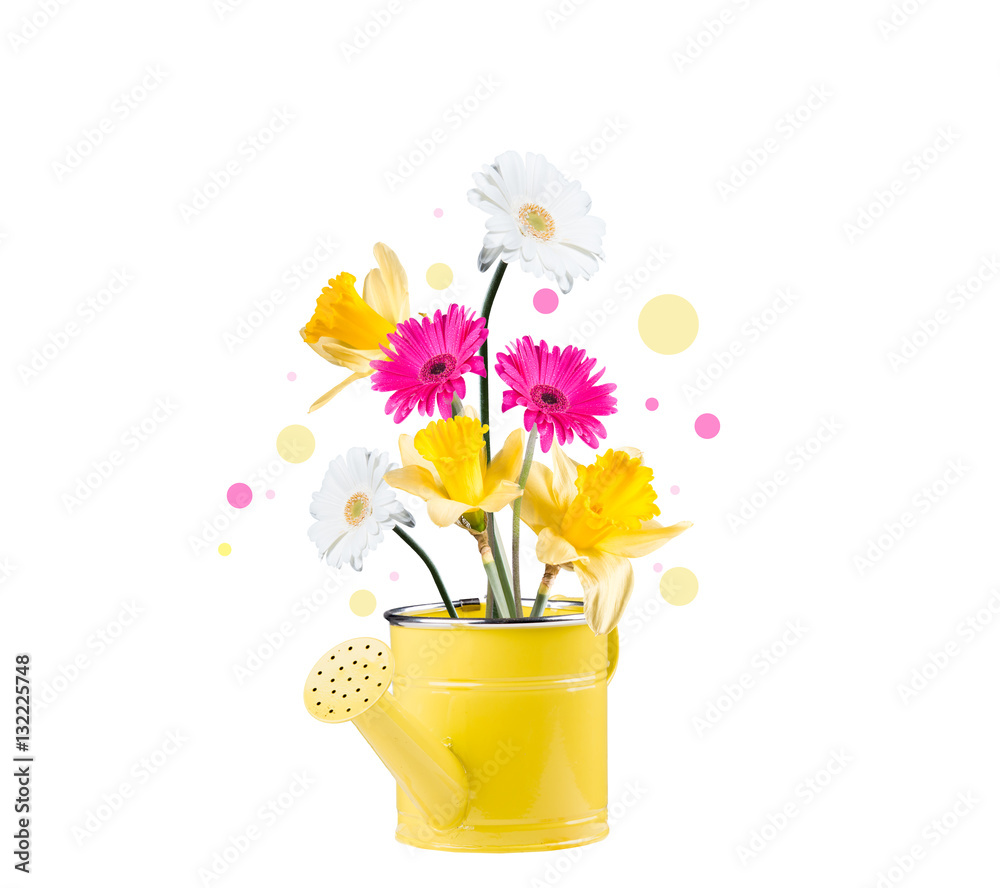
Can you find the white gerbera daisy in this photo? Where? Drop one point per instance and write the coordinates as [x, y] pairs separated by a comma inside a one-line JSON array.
[[538, 216], [354, 506]]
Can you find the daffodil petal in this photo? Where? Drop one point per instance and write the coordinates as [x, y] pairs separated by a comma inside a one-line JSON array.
[[410, 457], [358, 360], [505, 493], [649, 538], [313, 345], [316, 347], [607, 586], [445, 512], [564, 474], [506, 465], [385, 287], [336, 390], [424, 483], [553, 549], [416, 480], [540, 506]]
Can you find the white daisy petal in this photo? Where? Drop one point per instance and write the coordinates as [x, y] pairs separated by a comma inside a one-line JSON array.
[[538, 217], [486, 195], [509, 172], [501, 223], [354, 506], [487, 256]]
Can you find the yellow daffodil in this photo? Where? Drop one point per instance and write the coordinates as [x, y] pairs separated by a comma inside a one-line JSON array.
[[445, 465], [348, 329], [593, 519]]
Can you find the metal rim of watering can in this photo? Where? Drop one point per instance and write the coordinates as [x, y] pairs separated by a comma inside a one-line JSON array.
[[400, 616]]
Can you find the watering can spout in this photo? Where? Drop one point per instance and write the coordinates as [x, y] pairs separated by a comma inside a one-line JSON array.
[[351, 683]]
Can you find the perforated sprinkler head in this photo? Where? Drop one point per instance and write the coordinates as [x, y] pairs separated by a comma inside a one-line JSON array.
[[348, 680], [349, 683]]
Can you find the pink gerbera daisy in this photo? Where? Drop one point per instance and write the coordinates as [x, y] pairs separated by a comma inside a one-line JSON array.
[[427, 359], [555, 388]]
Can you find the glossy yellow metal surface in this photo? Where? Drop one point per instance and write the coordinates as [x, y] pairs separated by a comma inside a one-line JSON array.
[[350, 683], [495, 732], [523, 707], [426, 771]]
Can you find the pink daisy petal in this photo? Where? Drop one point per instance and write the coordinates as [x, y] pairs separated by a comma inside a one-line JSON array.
[[509, 400], [545, 436], [426, 358], [554, 385]]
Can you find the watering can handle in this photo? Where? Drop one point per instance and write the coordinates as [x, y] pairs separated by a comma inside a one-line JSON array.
[[612, 652]]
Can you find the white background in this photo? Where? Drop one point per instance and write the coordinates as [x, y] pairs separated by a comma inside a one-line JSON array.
[[608, 80]]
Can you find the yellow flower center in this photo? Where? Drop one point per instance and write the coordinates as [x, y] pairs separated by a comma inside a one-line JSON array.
[[536, 221], [357, 509], [455, 447], [613, 494], [343, 315]]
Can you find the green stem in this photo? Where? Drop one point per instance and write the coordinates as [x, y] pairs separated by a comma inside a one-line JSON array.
[[544, 587], [456, 407], [484, 353], [412, 543], [515, 553], [491, 574], [503, 566], [541, 599], [484, 418], [496, 588]]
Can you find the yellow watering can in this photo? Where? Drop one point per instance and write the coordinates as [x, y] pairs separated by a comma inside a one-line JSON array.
[[496, 731]]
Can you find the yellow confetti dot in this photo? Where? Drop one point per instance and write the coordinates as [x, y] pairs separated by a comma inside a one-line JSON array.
[[439, 276], [678, 586], [362, 602], [668, 324], [295, 443], [225, 548]]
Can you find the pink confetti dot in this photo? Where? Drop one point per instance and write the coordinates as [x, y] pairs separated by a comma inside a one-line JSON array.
[[546, 301], [269, 494], [239, 496], [652, 403], [438, 213], [675, 490], [291, 376], [394, 576], [707, 425], [657, 567]]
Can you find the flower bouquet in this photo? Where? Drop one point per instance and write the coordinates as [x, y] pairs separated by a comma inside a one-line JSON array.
[[507, 656]]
